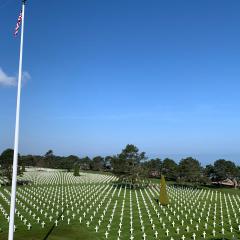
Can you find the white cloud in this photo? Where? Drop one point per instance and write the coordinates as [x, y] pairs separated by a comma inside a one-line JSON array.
[[11, 81], [6, 80]]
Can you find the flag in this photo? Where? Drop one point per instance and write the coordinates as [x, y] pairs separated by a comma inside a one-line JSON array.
[[18, 24]]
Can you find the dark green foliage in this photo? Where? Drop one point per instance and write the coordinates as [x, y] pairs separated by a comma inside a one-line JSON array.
[[190, 170], [23, 168], [69, 162], [170, 169], [127, 165], [130, 166], [98, 163], [85, 163], [209, 171], [76, 170], [153, 167], [6, 160], [30, 160], [225, 169]]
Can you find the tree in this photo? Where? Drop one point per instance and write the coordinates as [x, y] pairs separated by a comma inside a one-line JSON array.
[[76, 170], [85, 163], [224, 169], [153, 167], [209, 171], [190, 170], [98, 163], [169, 169], [107, 162], [164, 200], [69, 162], [29, 160], [49, 153], [126, 165], [48, 160], [6, 160]]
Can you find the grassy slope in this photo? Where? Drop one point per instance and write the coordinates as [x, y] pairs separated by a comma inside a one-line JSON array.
[[80, 231]]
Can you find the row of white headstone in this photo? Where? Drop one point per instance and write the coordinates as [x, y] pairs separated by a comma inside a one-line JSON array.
[[94, 202]]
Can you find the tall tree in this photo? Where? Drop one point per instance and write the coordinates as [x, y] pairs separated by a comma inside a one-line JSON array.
[[98, 163], [224, 169], [170, 169], [48, 159], [6, 160], [85, 163], [127, 166], [69, 162], [190, 170], [209, 171], [153, 167]]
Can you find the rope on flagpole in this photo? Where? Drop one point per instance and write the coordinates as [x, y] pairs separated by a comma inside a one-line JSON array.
[[16, 137]]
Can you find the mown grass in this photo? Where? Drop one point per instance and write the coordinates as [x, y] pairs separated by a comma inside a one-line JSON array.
[[75, 230]]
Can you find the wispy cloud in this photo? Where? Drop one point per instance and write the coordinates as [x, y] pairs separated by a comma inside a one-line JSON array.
[[11, 81], [6, 80]]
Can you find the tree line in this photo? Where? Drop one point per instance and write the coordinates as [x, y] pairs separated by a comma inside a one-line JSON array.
[[131, 166]]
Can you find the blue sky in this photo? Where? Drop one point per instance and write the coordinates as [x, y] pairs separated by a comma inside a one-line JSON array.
[[163, 75]]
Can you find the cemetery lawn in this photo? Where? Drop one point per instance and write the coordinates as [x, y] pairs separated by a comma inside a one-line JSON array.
[[58, 205], [73, 232]]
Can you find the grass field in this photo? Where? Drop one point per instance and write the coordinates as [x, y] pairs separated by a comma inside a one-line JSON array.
[[60, 206]]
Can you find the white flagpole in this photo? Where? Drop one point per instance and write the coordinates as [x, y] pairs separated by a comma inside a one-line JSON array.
[[16, 139]]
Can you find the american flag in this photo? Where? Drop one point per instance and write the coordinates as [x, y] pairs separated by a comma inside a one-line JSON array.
[[18, 24]]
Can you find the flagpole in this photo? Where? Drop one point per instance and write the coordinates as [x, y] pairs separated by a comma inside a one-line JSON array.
[[16, 138]]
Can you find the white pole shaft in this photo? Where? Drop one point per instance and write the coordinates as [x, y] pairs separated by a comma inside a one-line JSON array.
[[16, 139]]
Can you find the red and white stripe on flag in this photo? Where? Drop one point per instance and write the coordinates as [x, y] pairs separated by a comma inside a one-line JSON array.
[[18, 24]]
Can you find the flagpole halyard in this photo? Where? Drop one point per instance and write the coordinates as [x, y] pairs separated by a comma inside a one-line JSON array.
[[16, 138]]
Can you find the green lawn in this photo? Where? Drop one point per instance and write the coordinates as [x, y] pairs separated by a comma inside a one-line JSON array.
[[122, 212], [64, 233]]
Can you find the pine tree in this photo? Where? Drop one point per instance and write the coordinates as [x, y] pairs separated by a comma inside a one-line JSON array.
[[76, 170], [164, 200]]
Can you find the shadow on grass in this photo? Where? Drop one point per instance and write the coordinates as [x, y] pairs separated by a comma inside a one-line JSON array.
[[53, 226]]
